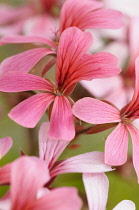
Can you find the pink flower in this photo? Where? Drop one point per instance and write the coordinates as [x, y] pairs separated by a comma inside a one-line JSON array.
[[99, 112], [72, 65], [96, 187], [49, 152], [119, 89], [91, 17], [88, 14], [27, 177]]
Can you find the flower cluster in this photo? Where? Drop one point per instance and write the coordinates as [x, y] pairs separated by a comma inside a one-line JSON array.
[[65, 35]]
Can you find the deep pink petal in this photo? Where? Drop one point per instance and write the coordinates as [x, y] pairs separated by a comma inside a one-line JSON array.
[[30, 111], [20, 81], [5, 145], [5, 173], [87, 14], [125, 204], [62, 121], [99, 65], [28, 175], [49, 149], [72, 45], [130, 106], [64, 198], [96, 187], [25, 39], [135, 140], [25, 61], [74, 12], [116, 146], [95, 111], [91, 162]]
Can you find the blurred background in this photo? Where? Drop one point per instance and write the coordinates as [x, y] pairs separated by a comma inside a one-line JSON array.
[[123, 181]]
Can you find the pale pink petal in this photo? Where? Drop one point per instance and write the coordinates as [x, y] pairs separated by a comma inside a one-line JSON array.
[[14, 81], [125, 204], [64, 198], [134, 38], [5, 202], [136, 94], [87, 14], [96, 187], [5, 145], [9, 14], [91, 162], [49, 149], [72, 45], [41, 25], [11, 29], [28, 175], [95, 111], [30, 111], [116, 146], [61, 121], [135, 141], [25, 61], [25, 39], [99, 65], [103, 18]]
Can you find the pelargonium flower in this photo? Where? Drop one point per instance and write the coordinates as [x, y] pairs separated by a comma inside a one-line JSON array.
[[88, 14], [98, 112], [72, 65], [49, 152], [96, 187], [85, 14], [27, 177], [119, 89]]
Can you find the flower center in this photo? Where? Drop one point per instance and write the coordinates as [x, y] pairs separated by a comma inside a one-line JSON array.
[[125, 119]]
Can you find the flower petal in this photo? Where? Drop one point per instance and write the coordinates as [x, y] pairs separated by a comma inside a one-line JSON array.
[[125, 204], [30, 111], [99, 65], [28, 175], [96, 187], [62, 121], [103, 18], [49, 149], [72, 45], [63, 198], [20, 81], [88, 14], [25, 39], [135, 140], [5, 145], [5, 173], [116, 146], [95, 111], [91, 162], [25, 61], [5, 201]]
